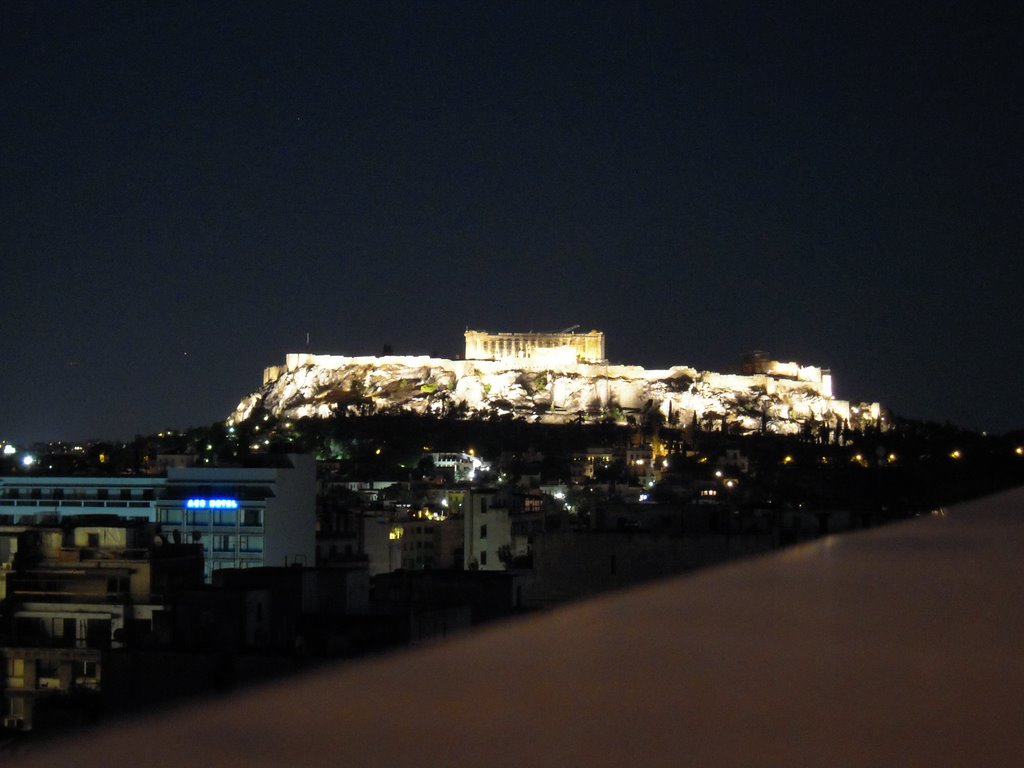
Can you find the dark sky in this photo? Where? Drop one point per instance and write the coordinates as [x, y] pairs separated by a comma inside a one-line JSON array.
[[188, 188]]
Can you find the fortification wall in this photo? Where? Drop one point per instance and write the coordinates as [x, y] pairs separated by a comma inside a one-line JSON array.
[[318, 385]]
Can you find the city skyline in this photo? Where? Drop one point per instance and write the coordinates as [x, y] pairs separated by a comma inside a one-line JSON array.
[[191, 189]]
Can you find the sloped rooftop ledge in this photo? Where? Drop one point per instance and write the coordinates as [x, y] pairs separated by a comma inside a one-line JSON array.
[[897, 646]]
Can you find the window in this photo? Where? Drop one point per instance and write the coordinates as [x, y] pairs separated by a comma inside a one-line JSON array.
[[83, 671], [15, 673], [252, 517], [48, 673], [483, 557], [225, 517], [483, 531], [169, 516], [97, 633], [94, 540], [16, 706], [63, 633], [199, 517], [223, 543], [254, 543]]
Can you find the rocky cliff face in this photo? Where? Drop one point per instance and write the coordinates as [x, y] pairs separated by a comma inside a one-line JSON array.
[[320, 386]]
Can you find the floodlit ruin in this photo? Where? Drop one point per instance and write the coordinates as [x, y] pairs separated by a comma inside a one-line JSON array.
[[556, 378]]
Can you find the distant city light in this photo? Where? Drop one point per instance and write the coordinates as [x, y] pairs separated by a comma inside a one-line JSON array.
[[211, 504], [1019, 450], [955, 454], [10, 450], [28, 460]]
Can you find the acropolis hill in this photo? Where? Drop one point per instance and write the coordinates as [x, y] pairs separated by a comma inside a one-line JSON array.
[[554, 378]]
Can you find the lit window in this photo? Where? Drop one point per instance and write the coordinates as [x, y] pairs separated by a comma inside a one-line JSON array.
[[15, 673]]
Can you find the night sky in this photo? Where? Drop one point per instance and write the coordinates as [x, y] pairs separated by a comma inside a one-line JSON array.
[[188, 189]]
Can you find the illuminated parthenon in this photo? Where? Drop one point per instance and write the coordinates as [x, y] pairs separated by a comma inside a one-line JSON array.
[[563, 347]]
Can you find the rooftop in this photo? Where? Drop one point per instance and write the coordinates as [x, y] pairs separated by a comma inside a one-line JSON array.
[[896, 646]]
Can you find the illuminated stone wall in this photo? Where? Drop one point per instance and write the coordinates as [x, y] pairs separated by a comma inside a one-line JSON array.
[[555, 378], [559, 348]]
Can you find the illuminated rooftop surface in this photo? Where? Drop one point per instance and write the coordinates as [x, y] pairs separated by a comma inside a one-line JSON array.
[[897, 646]]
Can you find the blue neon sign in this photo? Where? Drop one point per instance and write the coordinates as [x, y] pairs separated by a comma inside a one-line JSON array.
[[211, 504]]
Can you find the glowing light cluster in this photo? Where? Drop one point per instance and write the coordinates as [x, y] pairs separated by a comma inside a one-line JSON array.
[[428, 514], [211, 504]]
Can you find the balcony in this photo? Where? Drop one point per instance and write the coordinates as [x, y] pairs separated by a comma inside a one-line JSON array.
[[896, 646]]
